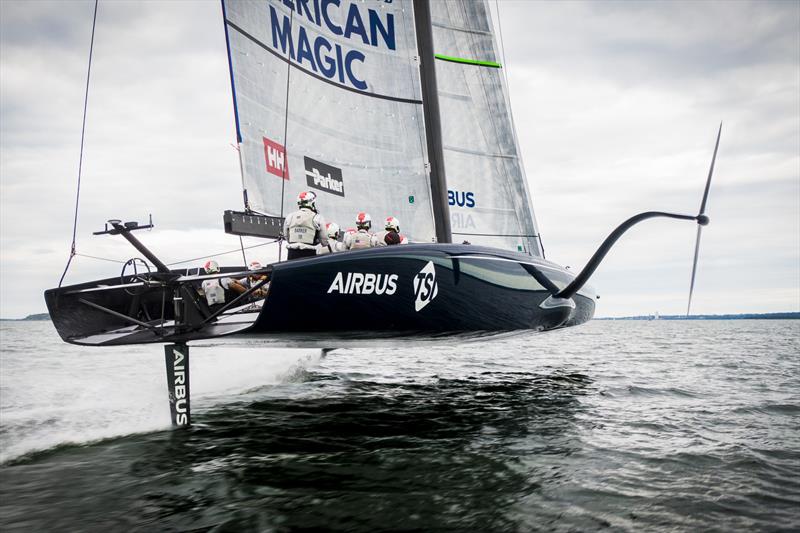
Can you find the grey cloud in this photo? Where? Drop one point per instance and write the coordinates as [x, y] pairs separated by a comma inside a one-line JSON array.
[[636, 42]]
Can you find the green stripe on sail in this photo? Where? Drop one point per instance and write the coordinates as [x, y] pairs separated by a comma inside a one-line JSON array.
[[468, 61]]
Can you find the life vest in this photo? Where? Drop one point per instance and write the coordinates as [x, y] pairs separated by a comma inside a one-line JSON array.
[[214, 292], [360, 239], [302, 228]]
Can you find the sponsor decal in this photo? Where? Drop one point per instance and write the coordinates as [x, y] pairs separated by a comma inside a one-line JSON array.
[[461, 198], [324, 177], [327, 37], [358, 283], [275, 156], [425, 286], [462, 221], [179, 384]]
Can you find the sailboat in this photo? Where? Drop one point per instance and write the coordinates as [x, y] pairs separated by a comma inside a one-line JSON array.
[[396, 107]]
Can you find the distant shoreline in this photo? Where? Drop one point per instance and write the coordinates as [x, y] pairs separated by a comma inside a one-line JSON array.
[[29, 318], [741, 316]]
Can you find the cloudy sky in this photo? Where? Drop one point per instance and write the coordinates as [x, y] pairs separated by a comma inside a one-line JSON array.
[[616, 104]]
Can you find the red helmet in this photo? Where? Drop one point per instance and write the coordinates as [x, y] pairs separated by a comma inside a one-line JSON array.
[[211, 267], [307, 199], [332, 230], [392, 223]]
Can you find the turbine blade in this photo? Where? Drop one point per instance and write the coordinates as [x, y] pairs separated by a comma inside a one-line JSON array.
[[710, 173], [694, 267]]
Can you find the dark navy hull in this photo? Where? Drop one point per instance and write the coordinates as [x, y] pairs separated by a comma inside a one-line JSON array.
[[476, 289], [378, 293]]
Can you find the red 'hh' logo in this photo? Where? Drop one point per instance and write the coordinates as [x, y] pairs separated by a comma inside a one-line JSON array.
[[275, 155]]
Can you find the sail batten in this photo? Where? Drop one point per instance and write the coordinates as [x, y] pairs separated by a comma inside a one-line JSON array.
[[466, 61]]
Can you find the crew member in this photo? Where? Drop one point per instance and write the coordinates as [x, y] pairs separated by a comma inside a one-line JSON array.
[[391, 234], [253, 280], [334, 244], [214, 289], [305, 228], [362, 238]]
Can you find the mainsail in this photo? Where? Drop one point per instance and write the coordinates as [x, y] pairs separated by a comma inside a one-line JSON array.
[[488, 192], [327, 97]]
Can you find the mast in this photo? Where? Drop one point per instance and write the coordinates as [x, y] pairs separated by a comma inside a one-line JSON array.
[[433, 127]]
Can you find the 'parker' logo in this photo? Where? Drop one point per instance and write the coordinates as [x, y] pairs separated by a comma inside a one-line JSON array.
[[275, 155], [425, 286], [324, 177]]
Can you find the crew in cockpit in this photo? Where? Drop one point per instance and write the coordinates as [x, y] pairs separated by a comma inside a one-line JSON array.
[[214, 289], [253, 279], [362, 238], [391, 234], [305, 228], [334, 244]]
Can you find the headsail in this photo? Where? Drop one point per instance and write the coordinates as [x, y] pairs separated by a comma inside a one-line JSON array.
[[327, 97], [488, 192]]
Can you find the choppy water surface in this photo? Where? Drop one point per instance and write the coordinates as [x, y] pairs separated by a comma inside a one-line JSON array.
[[619, 425]]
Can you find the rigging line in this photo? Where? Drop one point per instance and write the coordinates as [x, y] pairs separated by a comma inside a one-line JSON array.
[[223, 253], [80, 159], [286, 130], [245, 199], [241, 245], [502, 43], [100, 258]]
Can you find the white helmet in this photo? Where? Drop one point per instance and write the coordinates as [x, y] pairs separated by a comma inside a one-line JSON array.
[[363, 221], [332, 230], [254, 265], [211, 267], [307, 199], [392, 224]]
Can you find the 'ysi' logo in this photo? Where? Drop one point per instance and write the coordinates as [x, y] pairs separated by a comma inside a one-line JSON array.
[[425, 286]]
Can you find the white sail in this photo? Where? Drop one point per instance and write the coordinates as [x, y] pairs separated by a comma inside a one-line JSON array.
[[353, 130], [488, 192]]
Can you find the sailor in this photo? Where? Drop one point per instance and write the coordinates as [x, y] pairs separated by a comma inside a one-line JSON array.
[[391, 234], [361, 238], [214, 289], [254, 279], [334, 244], [305, 228]]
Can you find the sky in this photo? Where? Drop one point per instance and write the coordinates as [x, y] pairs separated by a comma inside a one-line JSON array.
[[616, 106]]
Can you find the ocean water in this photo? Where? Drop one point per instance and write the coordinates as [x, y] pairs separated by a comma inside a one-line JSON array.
[[620, 426]]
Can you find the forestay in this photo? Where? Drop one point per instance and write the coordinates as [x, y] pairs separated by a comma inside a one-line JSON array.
[[353, 132], [488, 192]]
